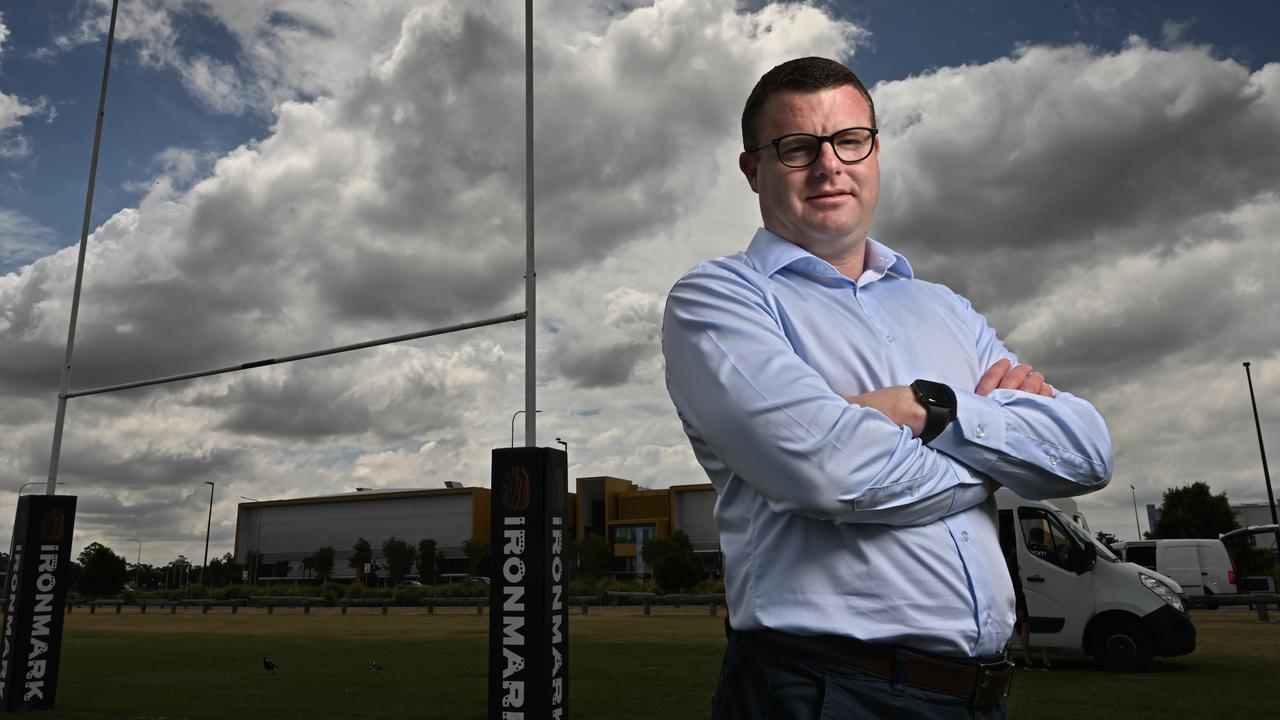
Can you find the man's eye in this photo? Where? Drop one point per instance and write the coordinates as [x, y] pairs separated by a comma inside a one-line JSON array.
[[796, 149]]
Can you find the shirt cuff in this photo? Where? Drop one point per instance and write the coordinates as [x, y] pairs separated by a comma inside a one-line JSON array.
[[977, 436]]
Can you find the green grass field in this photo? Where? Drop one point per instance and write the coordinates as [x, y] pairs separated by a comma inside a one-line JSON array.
[[623, 665]]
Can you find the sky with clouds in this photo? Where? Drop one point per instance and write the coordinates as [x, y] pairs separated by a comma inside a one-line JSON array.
[[1102, 180]]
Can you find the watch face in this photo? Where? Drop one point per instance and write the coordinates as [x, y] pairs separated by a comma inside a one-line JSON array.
[[936, 394]]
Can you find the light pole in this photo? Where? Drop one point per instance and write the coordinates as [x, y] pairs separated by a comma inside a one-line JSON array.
[[513, 426], [1135, 510], [137, 567], [1266, 474], [565, 443], [209, 526], [257, 537], [27, 485]]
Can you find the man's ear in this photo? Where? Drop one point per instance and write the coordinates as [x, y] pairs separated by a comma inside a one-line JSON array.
[[750, 166]]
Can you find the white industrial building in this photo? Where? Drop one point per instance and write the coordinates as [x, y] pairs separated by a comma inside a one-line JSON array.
[[284, 532]]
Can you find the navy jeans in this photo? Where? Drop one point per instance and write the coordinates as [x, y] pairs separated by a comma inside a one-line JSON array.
[[763, 681]]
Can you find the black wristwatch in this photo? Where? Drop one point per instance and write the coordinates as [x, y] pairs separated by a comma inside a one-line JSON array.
[[939, 403]]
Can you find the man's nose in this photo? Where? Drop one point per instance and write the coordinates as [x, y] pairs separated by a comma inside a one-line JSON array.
[[827, 162]]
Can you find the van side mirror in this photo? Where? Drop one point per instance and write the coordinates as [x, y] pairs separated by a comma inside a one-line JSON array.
[[1084, 557]]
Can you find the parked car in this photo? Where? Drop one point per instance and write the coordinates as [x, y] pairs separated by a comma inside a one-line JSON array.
[[1082, 598], [1202, 567], [408, 584]]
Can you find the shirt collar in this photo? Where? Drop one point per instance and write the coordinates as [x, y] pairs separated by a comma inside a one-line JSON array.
[[770, 253]]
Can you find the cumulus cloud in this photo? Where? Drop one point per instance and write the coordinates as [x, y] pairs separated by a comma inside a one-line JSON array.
[[12, 110], [603, 351], [152, 30], [1025, 165]]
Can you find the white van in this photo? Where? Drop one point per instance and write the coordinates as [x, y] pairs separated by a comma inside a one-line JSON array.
[[1202, 567], [1081, 598]]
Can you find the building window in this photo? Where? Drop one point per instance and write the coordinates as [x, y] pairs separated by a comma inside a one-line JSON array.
[[633, 533]]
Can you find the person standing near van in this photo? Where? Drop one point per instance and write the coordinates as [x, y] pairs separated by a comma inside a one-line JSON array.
[[855, 420]]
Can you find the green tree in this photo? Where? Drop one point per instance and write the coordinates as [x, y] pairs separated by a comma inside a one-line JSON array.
[[399, 555], [430, 559], [224, 571], [595, 556], [102, 572], [1106, 538], [322, 560], [674, 564], [179, 571], [1193, 511], [361, 553], [477, 552]]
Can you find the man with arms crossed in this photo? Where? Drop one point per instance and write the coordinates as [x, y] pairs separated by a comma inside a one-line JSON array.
[[855, 421]]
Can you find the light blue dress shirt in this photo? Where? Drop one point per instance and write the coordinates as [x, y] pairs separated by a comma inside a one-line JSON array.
[[833, 519]]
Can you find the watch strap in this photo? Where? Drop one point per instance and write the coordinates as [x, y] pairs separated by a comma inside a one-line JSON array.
[[939, 403]]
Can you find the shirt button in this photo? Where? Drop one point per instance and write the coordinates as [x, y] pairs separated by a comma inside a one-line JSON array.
[[979, 432], [988, 618], [889, 339], [965, 535], [1053, 459]]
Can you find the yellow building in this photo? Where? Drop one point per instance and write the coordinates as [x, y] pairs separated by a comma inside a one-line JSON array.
[[627, 515]]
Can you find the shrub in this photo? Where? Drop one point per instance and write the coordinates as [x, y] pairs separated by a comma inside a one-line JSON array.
[[709, 587], [231, 592]]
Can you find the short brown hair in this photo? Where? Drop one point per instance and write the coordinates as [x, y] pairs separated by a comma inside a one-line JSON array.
[[807, 74]]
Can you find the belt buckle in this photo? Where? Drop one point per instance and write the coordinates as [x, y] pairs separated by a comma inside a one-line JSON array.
[[984, 679]]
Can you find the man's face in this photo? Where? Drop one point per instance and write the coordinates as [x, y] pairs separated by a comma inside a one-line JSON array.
[[826, 207]]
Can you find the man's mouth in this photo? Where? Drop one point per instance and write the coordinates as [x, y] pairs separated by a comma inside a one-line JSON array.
[[829, 194]]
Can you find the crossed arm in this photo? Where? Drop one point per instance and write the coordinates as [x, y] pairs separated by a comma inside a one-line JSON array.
[[899, 403]]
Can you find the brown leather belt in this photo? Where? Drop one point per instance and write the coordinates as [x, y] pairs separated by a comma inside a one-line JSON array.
[[983, 683]]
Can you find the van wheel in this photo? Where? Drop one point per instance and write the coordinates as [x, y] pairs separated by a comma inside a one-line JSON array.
[[1122, 645]]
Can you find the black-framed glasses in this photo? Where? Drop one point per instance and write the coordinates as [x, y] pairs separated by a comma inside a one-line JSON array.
[[798, 150]]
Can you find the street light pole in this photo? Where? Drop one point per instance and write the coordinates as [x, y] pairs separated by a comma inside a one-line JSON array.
[[137, 584], [208, 527], [565, 443], [1135, 511], [513, 425], [1266, 474]]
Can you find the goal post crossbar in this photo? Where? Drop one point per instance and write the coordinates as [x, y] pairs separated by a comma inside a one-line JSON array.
[[300, 356]]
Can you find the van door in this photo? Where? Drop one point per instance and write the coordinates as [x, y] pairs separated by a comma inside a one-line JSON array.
[[1215, 565], [1059, 600], [1182, 563]]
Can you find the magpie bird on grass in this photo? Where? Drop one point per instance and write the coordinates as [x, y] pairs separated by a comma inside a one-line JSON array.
[[269, 666], [374, 666]]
